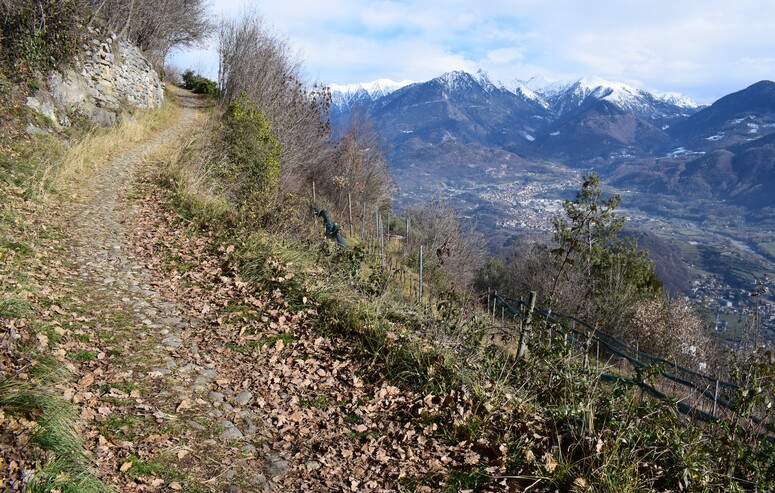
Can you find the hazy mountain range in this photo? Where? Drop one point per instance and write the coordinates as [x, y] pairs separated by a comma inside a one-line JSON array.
[[501, 150], [653, 142]]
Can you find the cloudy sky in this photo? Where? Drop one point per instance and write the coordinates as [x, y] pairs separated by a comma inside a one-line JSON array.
[[702, 48]]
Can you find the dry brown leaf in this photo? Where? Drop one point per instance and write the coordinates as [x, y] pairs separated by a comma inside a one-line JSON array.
[[58, 309], [42, 340], [550, 463], [125, 466], [86, 381]]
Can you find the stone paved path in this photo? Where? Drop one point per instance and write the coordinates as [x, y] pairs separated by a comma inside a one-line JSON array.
[[106, 262]]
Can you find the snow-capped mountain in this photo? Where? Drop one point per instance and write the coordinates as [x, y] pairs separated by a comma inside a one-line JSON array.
[[455, 106], [678, 99], [346, 95], [522, 90], [660, 110], [554, 95], [527, 117]]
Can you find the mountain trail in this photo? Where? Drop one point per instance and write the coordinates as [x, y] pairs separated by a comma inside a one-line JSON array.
[[191, 379], [144, 388]]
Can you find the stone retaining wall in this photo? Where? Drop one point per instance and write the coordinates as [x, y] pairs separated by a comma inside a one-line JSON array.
[[110, 76]]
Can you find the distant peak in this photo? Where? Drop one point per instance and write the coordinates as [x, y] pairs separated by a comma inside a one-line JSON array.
[[521, 89], [595, 81], [379, 87], [484, 77], [454, 75], [678, 99], [457, 79]]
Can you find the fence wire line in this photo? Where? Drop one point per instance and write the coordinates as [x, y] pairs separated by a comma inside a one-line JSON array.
[[637, 358]]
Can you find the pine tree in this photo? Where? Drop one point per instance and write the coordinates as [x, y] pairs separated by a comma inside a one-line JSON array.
[[588, 238]]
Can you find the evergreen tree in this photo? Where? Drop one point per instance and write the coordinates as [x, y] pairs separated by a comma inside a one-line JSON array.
[[615, 273]]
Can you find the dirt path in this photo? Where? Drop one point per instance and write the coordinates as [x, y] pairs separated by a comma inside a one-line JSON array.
[[191, 379], [144, 387]]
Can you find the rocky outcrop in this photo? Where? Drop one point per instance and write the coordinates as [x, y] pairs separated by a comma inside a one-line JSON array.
[[110, 76]]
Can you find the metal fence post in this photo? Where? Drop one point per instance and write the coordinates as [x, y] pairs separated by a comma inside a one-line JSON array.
[[381, 232], [420, 285], [527, 326], [363, 223], [350, 207]]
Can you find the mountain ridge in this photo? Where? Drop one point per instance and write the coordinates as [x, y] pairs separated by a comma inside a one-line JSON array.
[[588, 85]]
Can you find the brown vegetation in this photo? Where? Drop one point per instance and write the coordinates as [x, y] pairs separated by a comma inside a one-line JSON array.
[[261, 64], [156, 27]]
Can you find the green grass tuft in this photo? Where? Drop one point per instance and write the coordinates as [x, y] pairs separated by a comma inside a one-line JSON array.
[[67, 467]]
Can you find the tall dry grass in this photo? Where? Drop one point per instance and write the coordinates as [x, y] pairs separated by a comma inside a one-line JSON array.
[[65, 165]]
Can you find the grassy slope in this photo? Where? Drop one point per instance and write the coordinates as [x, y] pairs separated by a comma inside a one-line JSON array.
[[399, 382], [544, 422]]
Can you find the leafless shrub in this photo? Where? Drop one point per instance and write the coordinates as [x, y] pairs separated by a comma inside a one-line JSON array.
[[255, 61], [156, 27], [173, 74], [669, 328], [260, 63], [358, 171], [455, 252]]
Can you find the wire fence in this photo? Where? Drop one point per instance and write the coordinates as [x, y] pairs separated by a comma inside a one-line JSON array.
[[695, 394], [700, 396]]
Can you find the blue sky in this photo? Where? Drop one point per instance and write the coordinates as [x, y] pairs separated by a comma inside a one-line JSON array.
[[704, 49]]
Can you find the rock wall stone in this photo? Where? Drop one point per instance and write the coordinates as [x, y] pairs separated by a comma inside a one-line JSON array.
[[109, 77]]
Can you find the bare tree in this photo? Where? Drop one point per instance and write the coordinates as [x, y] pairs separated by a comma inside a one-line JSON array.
[[260, 63], [455, 251], [531, 266], [358, 171], [156, 27]]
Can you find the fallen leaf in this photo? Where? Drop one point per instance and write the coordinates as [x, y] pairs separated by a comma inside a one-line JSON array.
[[42, 340], [87, 380], [550, 463], [125, 466], [175, 486]]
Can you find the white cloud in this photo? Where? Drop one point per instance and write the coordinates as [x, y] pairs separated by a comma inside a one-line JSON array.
[[502, 56], [704, 48]]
